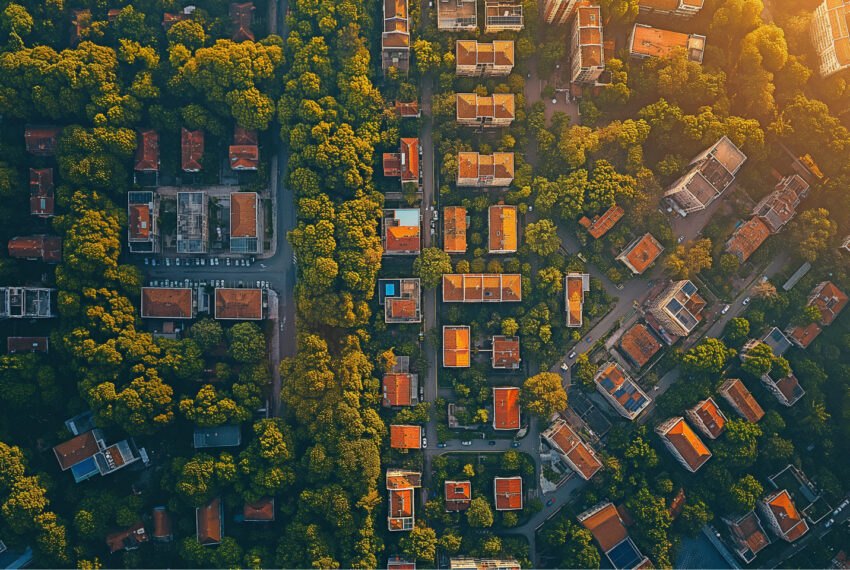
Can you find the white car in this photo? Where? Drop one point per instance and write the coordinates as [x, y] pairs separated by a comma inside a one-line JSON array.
[[466, 443], [228, 262], [746, 301], [564, 366], [725, 310], [424, 442]]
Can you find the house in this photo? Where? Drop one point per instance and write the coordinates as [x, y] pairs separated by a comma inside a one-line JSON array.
[[505, 352], [245, 223], [707, 418], [468, 563], [678, 308], [398, 563], [259, 511], [830, 301], [241, 14], [41, 192], [502, 15], [41, 141], [806, 497], [400, 502], [576, 285], [640, 253], [147, 151], [620, 390], [604, 523], [169, 19], [458, 495], [505, 407], [168, 303], [638, 345], [395, 37], [244, 152], [777, 208], [87, 455], [407, 110], [474, 58], [786, 390], [161, 525], [777, 341], [600, 225], [142, 222], [734, 391], [496, 110], [239, 304], [780, 514], [457, 15], [502, 229], [24, 344], [647, 41], [401, 233], [830, 36], [113, 14], [482, 288], [400, 389], [709, 175], [748, 536], [747, 238], [558, 11], [406, 437], [405, 163], [192, 149], [456, 346], [508, 493], [578, 456], [26, 303], [454, 229], [192, 222], [221, 436], [684, 8], [128, 539], [81, 423], [485, 170], [36, 248], [588, 58], [209, 522], [80, 22], [402, 300], [683, 443]]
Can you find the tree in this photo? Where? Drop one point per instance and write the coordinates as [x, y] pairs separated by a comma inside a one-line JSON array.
[[430, 266], [743, 495], [812, 232], [543, 395], [694, 516], [764, 290], [509, 326], [247, 343], [585, 372], [758, 360], [420, 544], [190, 33], [573, 544], [652, 519], [479, 514], [709, 356], [206, 333], [542, 237], [807, 315], [427, 58], [738, 448], [450, 543], [737, 328]]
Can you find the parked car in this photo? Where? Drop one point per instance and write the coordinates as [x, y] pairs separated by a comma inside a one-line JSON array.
[[725, 310], [844, 503], [466, 443], [588, 339], [572, 355], [746, 301], [550, 502], [829, 523], [491, 443], [424, 442], [228, 262], [422, 393], [564, 366], [649, 283], [147, 261], [167, 262], [515, 444], [441, 445], [680, 239]]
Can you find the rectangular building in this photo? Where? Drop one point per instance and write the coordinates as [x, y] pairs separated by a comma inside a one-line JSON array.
[[36, 248], [485, 170], [638, 344], [505, 352], [402, 300], [831, 37], [786, 390], [737, 395], [456, 346], [747, 238], [245, 223], [708, 418], [604, 523], [27, 344], [209, 522], [482, 288], [244, 152], [405, 437], [640, 253], [147, 151], [600, 225], [683, 443], [457, 15], [142, 226], [221, 436], [710, 174], [505, 407], [497, 110], [558, 11], [577, 284], [87, 455], [502, 15], [454, 229], [621, 391], [239, 304], [405, 163], [395, 38], [579, 456], [26, 303], [748, 536], [241, 15], [168, 303], [830, 301], [683, 8], [458, 495], [400, 500], [192, 149], [474, 58], [42, 197], [192, 222], [588, 58], [508, 493], [41, 140], [779, 207], [678, 309], [400, 389], [502, 229], [782, 517], [647, 41], [401, 231]]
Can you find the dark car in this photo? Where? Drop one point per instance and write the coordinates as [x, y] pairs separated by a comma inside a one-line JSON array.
[[441, 445], [491, 443], [515, 444], [550, 502]]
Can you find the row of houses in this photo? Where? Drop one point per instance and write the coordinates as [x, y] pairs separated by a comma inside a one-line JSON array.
[[246, 304]]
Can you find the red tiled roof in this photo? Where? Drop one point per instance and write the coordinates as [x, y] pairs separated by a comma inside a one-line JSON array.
[[688, 444], [244, 152], [397, 389], [399, 564], [401, 308], [458, 495], [169, 19], [579, 454], [127, 538], [192, 146], [147, 151], [241, 15], [456, 346], [410, 109], [208, 522], [454, 229], [642, 253], [241, 304], [260, 511], [410, 160], [508, 492], [711, 418], [41, 191], [400, 503], [75, 450], [477, 288], [747, 238], [804, 336], [243, 214], [601, 224], [782, 507], [405, 437], [392, 164], [140, 221], [167, 302], [606, 527], [829, 299], [161, 523], [403, 238], [41, 141], [639, 344], [505, 407], [741, 399], [26, 344], [45, 248], [505, 351], [748, 533]]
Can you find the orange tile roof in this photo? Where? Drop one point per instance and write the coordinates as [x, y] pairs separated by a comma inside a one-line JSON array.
[[405, 437], [639, 344], [566, 441], [77, 449], [804, 336], [401, 308], [688, 444], [601, 224], [575, 300], [748, 533], [243, 214], [606, 527], [167, 302], [241, 15], [399, 564], [208, 522], [505, 407], [479, 288], [503, 229], [140, 221], [508, 492], [46, 248], [261, 511], [655, 42], [399, 479], [128, 538], [456, 346], [454, 229], [747, 238], [192, 146], [741, 399], [402, 238], [471, 106], [41, 141], [668, 5], [641, 253], [829, 299], [458, 495], [410, 160], [400, 503], [410, 109], [485, 168], [505, 352], [161, 523], [782, 507], [240, 304], [244, 152], [147, 151], [396, 389], [392, 164], [473, 53], [711, 418]]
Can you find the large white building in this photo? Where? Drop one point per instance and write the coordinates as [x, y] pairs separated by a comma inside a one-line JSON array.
[[831, 37]]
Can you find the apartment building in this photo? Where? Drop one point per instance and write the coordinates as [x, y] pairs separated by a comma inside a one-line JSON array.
[[588, 59], [395, 37], [683, 8], [485, 170], [830, 36], [474, 58], [502, 15], [457, 15], [576, 285], [647, 41], [497, 110], [683, 443], [710, 174], [678, 308], [558, 11]]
